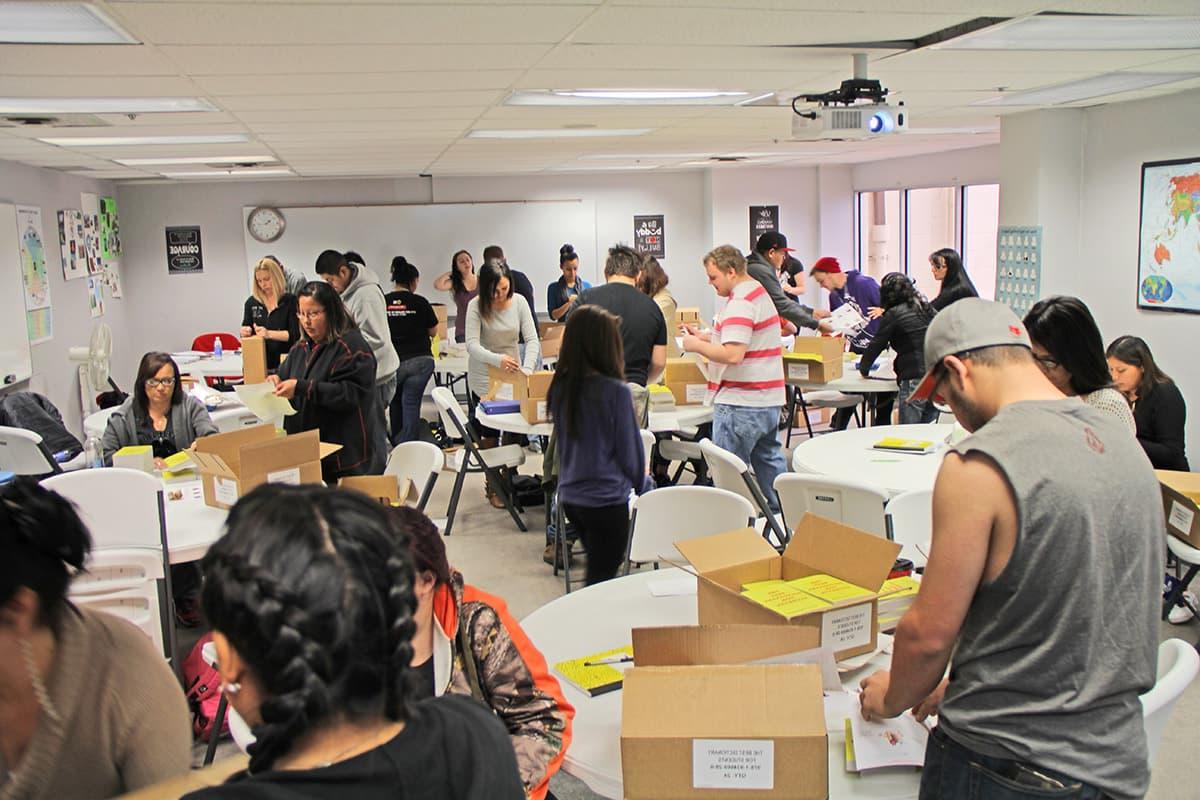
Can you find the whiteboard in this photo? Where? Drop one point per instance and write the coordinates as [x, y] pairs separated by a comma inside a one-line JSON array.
[[16, 362], [530, 232]]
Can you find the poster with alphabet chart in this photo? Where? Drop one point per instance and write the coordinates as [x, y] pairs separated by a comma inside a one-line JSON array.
[[1019, 267]]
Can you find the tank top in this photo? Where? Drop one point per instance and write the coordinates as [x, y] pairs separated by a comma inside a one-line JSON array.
[[1054, 652]]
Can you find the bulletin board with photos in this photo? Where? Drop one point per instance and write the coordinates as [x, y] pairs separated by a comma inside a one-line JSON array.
[[1019, 267]]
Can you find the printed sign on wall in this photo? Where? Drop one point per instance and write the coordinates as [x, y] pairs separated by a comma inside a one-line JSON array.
[[648, 235], [183, 250], [762, 220]]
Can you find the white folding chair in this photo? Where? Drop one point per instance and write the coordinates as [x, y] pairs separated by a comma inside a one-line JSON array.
[[909, 518], [1178, 664], [123, 581], [490, 461], [123, 508], [823, 398], [676, 513], [24, 453], [1185, 554], [647, 446], [732, 474], [852, 503], [419, 462]]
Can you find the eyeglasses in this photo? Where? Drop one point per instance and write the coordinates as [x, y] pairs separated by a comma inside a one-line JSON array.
[[154, 383], [320, 312], [1047, 363]]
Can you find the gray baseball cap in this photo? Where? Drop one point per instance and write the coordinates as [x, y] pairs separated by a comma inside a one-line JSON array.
[[969, 324]]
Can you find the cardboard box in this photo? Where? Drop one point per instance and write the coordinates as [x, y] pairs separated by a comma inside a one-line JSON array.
[[551, 330], [254, 360], [724, 733], [387, 489], [139, 457], [689, 316], [528, 390], [439, 309], [233, 463], [814, 359], [695, 645], [1181, 504], [726, 561], [686, 380]]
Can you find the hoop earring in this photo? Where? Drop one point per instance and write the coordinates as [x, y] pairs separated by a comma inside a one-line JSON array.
[[230, 689]]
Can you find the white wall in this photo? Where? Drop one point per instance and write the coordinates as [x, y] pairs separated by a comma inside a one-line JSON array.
[[1078, 174], [951, 168], [53, 375]]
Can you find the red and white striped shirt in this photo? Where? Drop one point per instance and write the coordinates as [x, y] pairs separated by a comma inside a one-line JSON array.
[[749, 318]]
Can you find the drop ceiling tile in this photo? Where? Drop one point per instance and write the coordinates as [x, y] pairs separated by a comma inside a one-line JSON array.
[[1040, 62], [675, 57], [84, 60], [302, 102], [299, 59], [260, 25], [753, 81], [408, 116], [321, 83]]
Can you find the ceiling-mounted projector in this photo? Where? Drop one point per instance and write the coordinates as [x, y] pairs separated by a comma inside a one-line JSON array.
[[855, 110]]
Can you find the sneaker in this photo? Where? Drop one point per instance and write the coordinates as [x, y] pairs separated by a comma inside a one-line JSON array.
[[1181, 614]]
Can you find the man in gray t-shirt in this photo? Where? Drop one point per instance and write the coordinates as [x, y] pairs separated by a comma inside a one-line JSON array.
[[1042, 587]]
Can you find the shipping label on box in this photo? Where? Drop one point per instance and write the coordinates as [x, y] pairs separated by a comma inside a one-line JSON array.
[[535, 410], [733, 764], [1181, 504]]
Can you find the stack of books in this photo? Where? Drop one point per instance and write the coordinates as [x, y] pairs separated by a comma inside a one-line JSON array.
[[895, 598], [661, 398], [801, 596]]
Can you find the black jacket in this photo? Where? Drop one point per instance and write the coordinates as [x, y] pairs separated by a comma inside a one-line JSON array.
[[1161, 417], [335, 394], [903, 329]]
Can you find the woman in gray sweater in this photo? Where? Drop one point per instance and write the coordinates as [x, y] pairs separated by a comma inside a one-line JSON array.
[[158, 413]]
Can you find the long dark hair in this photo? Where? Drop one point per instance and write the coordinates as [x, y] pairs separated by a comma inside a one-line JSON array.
[[591, 345], [404, 273], [1066, 329], [897, 289], [956, 278], [336, 315], [456, 281], [150, 364], [1134, 351], [653, 278], [314, 589], [44, 543], [489, 278]]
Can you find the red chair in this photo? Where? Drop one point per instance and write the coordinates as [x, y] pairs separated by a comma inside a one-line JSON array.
[[205, 343]]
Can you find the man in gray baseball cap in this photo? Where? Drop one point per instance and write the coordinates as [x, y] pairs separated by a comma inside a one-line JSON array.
[[1041, 591]]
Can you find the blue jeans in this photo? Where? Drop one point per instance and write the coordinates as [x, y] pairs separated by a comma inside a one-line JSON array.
[[952, 772], [411, 379], [752, 434], [918, 411]]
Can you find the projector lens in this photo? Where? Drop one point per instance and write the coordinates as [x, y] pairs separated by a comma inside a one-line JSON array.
[[880, 123]]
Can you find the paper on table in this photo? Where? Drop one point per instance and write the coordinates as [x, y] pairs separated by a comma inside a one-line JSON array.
[[673, 587], [839, 707], [821, 656], [846, 320], [260, 398], [898, 742]]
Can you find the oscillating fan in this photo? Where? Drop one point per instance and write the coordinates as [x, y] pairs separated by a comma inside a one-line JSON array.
[[93, 371]]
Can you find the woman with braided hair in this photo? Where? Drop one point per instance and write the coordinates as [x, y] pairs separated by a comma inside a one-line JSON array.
[[310, 597]]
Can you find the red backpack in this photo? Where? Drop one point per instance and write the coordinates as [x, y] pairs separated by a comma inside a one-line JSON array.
[[202, 683]]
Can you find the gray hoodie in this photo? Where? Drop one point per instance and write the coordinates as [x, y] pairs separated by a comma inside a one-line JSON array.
[[364, 300], [796, 313]]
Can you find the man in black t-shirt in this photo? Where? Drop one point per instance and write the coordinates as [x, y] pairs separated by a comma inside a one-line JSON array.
[[643, 329]]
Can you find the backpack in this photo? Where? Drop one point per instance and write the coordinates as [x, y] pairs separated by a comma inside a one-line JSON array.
[[202, 683]]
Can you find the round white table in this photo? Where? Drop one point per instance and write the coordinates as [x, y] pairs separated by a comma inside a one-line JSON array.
[[192, 526], [601, 617], [683, 418], [228, 365], [229, 416], [850, 454]]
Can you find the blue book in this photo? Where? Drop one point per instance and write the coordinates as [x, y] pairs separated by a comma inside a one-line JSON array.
[[500, 406]]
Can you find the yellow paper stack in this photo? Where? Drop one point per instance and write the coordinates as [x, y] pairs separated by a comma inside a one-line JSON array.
[[896, 596], [801, 596]]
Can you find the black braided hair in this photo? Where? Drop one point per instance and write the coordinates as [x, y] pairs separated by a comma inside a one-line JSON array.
[[313, 589]]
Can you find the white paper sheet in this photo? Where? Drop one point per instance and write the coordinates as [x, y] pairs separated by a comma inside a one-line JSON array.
[[898, 742], [260, 398], [847, 321], [821, 656]]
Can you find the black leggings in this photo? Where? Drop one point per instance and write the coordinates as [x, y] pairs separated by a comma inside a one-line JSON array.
[[605, 532]]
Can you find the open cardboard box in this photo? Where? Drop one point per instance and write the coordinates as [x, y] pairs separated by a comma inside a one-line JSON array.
[[687, 381], [1181, 504], [529, 390], [719, 731], [551, 334], [439, 311], [231, 464], [387, 489], [726, 561], [814, 359]]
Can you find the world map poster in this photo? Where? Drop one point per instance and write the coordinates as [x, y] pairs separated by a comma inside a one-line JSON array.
[[1169, 246]]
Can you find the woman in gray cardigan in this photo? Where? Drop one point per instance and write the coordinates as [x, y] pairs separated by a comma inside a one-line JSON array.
[[158, 413]]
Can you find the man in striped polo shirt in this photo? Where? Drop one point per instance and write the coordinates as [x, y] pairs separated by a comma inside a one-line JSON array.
[[745, 370]]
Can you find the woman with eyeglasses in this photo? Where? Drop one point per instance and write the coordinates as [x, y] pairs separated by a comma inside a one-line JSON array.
[[948, 270], [1158, 406], [906, 317], [1067, 346], [158, 413], [329, 377]]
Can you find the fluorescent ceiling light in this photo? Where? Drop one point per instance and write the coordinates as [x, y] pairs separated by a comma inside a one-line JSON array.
[[553, 133], [102, 105], [154, 162], [228, 173], [1083, 32], [119, 141], [1086, 89], [622, 97], [59, 23]]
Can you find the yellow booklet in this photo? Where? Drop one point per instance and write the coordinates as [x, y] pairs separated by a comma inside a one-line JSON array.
[[899, 587], [897, 444], [782, 598], [596, 674], [830, 589]]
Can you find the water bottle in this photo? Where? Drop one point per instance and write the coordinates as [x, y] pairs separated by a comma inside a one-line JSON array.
[[93, 452], [217, 349]]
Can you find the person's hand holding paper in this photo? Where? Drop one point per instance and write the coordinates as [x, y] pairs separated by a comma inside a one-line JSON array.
[[268, 401]]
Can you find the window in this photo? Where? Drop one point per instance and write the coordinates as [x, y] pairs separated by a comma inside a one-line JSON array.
[[931, 227], [981, 219], [879, 233]]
